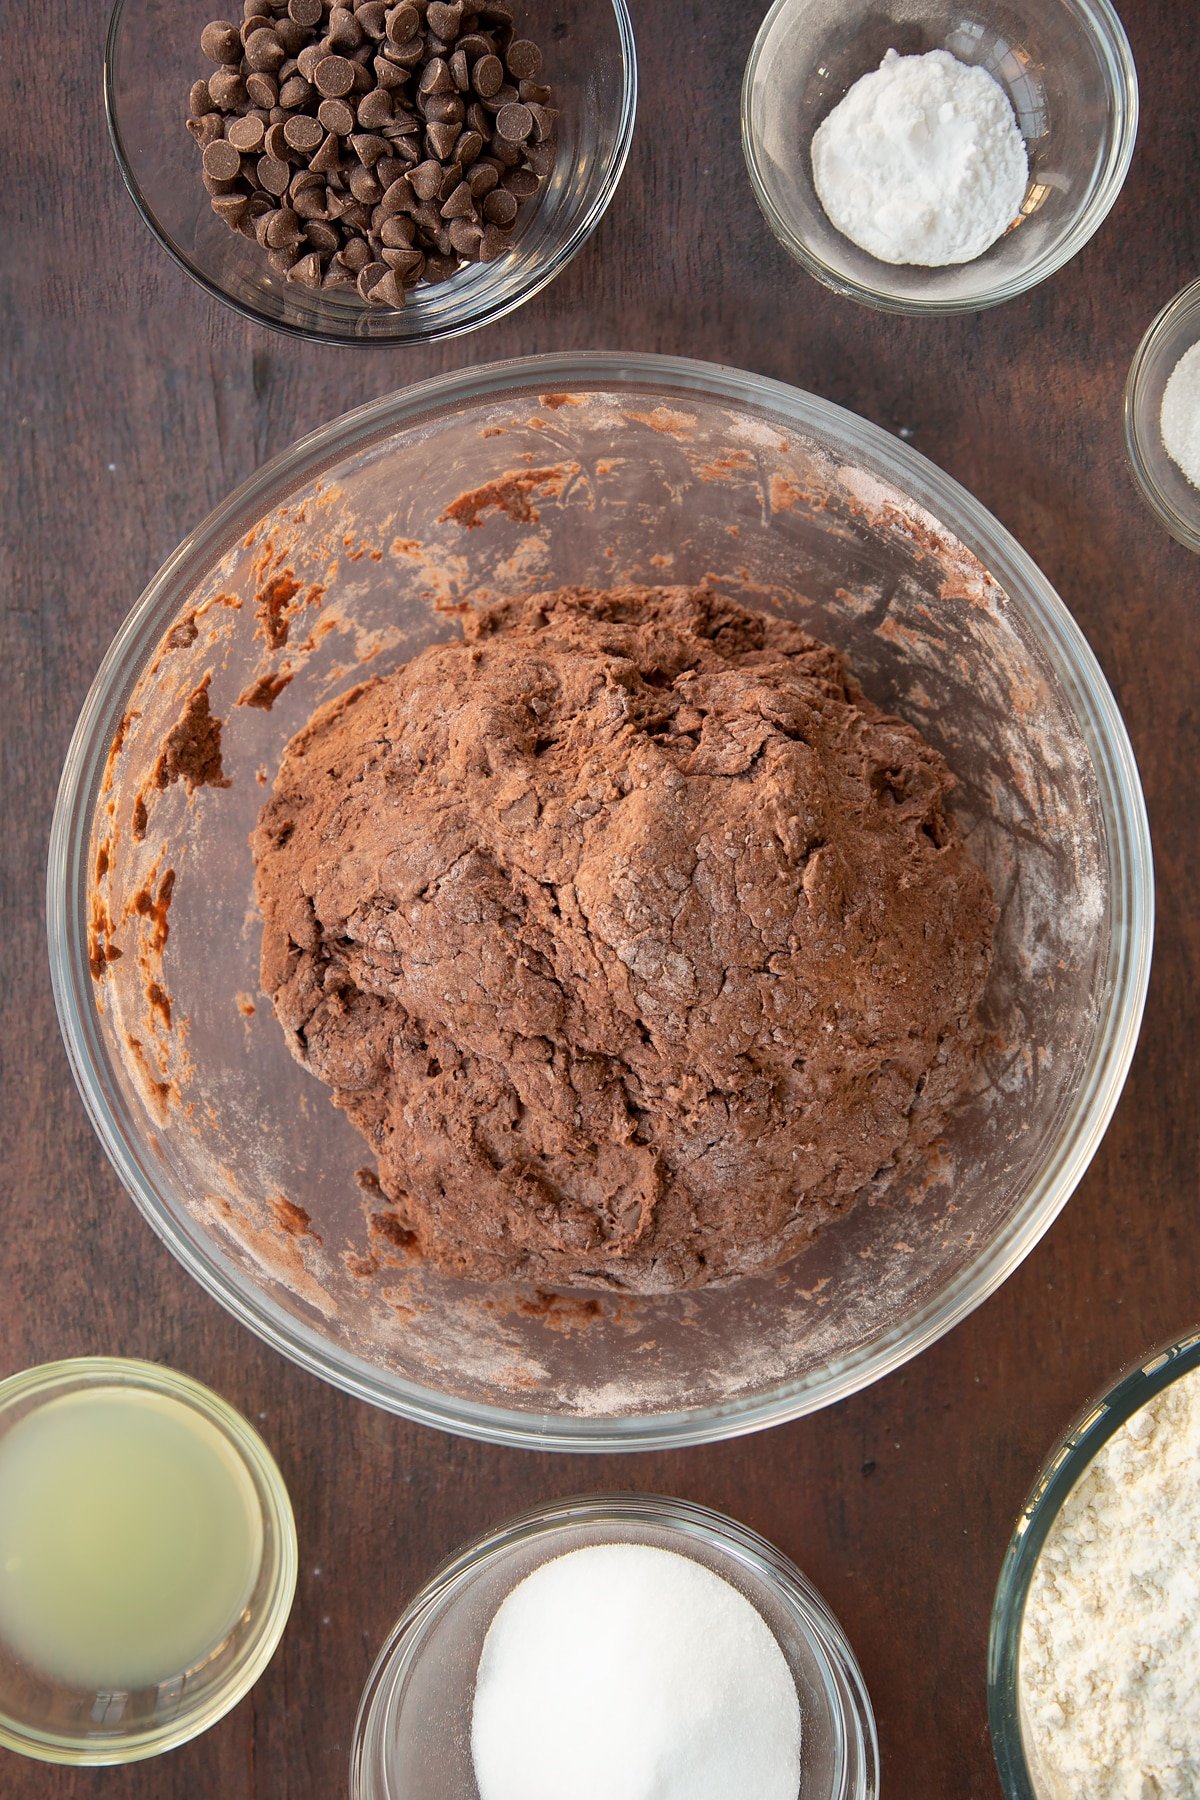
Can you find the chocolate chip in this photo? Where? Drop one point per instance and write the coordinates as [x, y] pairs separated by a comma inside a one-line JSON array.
[[293, 37], [364, 186], [425, 180], [272, 174], [403, 24], [369, 147], [311, 203], [275, 142], [309, 57], [514, 123], [295, 92], [322, 236], [375, 109], [397, 232], [542, 157], [523, 59], [500, 206], [459, 203], [373, 18], [483, 178], [436, 77], [487, 76], [493, 244], [334, 76], [281, 260], [545, 120], [303, 133], [307, 271], [407, 56], [283, 228], [306, 12], [327, 160], [505, 95], [264, 52], [199, 99], [407, 263], [336, 116], [465, 236], [441, 139], [245, 134], [355, 255], [227, 90], [522, 183], [221, 160], [460, 70], [445, 20], [343, 30], [389, 291], [535, 91], [261, 89], [230, 207], [440, 268], [206, 128], [369, 276], [221, 43]]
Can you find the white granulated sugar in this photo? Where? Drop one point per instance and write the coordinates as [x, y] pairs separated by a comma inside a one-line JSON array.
[[1110, 1645], [1180, 418], [922, 162], [625, 1672]]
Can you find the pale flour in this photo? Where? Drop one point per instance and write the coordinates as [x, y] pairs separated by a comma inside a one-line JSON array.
[[1110, 1646], [922, 161]]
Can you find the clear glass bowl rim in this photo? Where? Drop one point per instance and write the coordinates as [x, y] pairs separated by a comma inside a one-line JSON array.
[[856, 439], [1186, 301], [1117, 57], [46, 1380], [1083, 1439], [850, 1703], [525, 280]]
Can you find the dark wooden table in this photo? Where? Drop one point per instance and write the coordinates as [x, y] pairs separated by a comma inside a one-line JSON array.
[[132, 404]]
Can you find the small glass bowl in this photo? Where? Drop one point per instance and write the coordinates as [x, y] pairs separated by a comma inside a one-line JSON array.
[[56, 1723], [1068, 71], [1084, 1438], [412, 1739], [151, 60], [1164, 485]]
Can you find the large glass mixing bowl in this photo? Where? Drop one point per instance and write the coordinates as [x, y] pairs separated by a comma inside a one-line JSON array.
[[342, 558]]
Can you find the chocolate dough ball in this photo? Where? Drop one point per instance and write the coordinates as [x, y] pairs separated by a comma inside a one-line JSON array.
[[632, 937]]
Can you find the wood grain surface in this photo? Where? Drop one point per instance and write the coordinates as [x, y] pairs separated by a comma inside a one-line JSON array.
[[132, 403]]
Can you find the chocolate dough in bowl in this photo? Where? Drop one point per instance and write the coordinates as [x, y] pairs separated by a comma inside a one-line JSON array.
[[382, 535]]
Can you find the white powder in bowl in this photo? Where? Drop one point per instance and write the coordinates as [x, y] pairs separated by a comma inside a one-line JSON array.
[[1180, 417], [624, 1672], [922, 161], [1109, 1667]]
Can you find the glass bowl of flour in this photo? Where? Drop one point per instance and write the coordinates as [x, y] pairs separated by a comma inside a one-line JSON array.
[[924, 158], [611, 1646], [1094, 1657], [1162, 416]]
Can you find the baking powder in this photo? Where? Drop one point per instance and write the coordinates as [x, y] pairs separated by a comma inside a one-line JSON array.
[[1110, 1645], [1180, 420], [922, 162]]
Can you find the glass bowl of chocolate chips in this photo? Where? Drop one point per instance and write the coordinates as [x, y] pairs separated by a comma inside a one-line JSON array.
[[565, 1038], [379, 171]]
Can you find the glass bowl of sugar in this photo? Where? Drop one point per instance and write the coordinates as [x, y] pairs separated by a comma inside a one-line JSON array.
[[1162, 416], [1094, 1653], [616, 1645], [964, 155]]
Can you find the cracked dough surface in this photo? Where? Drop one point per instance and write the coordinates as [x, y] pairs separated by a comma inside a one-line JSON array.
[[632, 937]]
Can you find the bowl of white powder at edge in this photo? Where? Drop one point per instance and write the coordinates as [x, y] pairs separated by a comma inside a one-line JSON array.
[[1094, 1654], [937, 204], [616, 1644], [1162, 416]]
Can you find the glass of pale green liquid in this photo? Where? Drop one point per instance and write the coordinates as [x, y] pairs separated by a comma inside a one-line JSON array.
[[147, 1560]]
